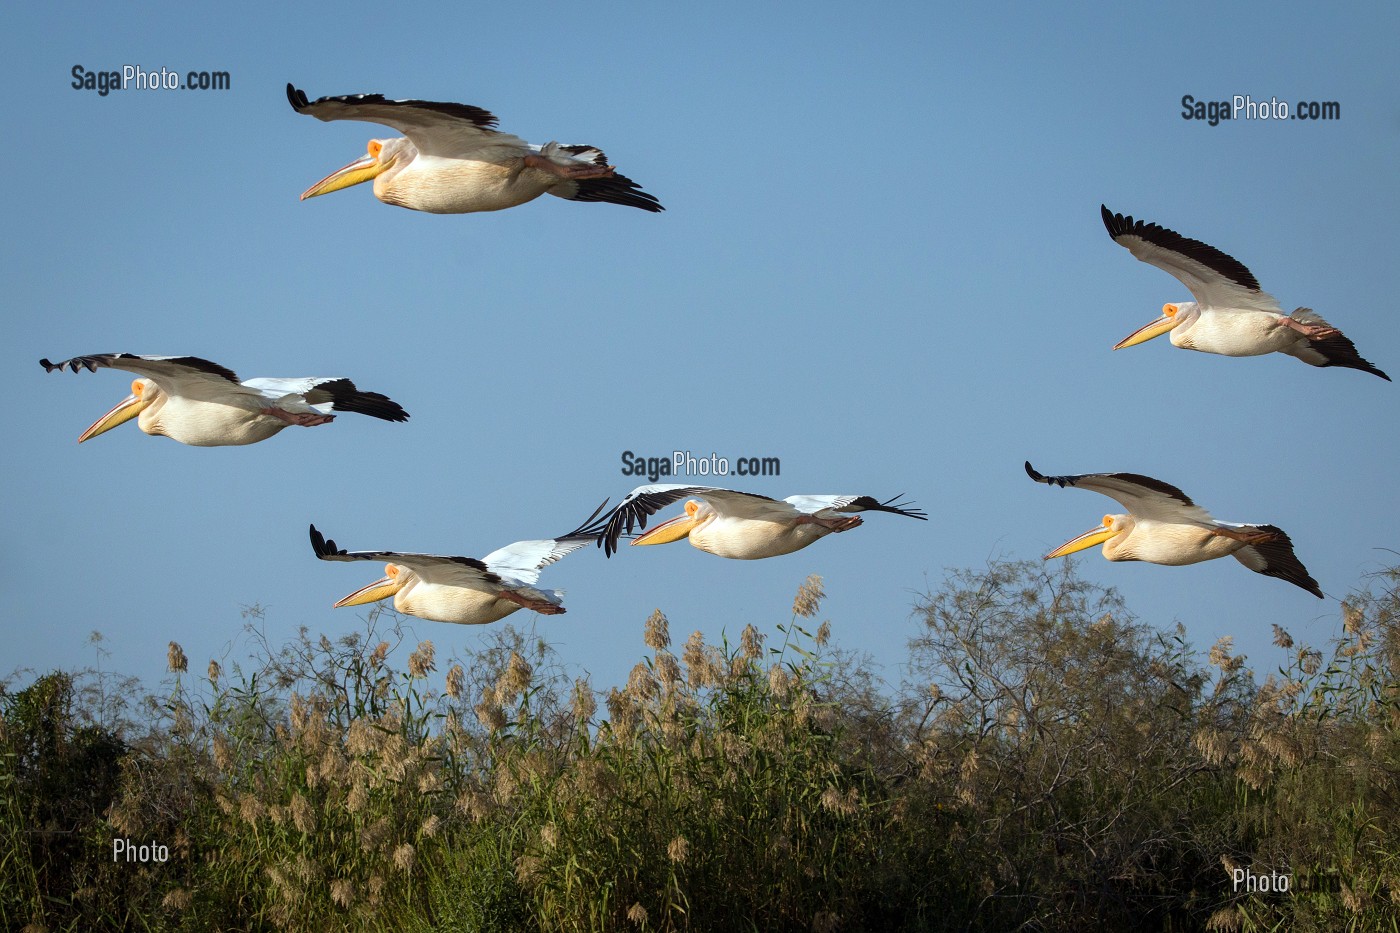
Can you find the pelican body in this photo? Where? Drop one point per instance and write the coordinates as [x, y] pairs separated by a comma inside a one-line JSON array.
[[1232, 315], [202, 404], [464, 590], [1163, 526], [740, 525], [451, 160]]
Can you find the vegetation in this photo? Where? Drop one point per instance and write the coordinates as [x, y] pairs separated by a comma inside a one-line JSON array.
[[1048, 763]]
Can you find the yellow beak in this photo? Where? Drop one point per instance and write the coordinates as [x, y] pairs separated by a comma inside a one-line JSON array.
[[1143, 334], [666, 532], [1087, 540], [362, 169], [382, 588], [126, 409]]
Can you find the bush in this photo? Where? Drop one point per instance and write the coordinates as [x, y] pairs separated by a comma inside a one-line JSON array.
[[1049, 762]]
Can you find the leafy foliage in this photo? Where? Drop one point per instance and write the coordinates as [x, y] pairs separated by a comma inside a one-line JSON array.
[[1049, 762]]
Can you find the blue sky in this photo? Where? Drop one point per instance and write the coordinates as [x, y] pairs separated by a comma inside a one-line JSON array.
[[881, 261]]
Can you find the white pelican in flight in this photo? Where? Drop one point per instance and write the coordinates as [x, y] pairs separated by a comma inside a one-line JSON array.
[[463, 589], [202, 404], [1231, 315], [454, 162], [1163, 526], [741, 525]]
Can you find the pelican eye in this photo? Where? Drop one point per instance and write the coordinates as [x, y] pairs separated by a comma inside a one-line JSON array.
[[374, 147], [391, 570], [1169, 310], [1108, 521], [137, 387], [692, 507]]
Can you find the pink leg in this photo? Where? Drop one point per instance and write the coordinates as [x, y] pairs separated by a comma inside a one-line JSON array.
[[1311, 331], [306, 419], [831, 524], [581, 170], [542, 606], [1246, 537]]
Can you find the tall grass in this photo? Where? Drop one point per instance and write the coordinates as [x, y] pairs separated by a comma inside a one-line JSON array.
[[1047, 762]]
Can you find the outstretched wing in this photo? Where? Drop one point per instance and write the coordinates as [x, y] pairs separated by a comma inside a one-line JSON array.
[[813, 505], [155, 368], [436, 128], [1215, 279], [324, 393], [1336, 350], [432, 568], [183, 376], [1276, 559], [1143, 496], [524, 560], [613, 189]]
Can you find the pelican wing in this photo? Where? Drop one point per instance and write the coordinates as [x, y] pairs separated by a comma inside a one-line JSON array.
[[154, 368], [1276, 559], [1336, 350], [432, 568], [614, 189], [524, 560], [813, 505], [446, 130], [326, 393], [645, 501], [187, 376], [1143, 496], [1215, 280]]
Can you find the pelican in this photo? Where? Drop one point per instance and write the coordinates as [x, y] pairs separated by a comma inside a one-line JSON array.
[[1163, 526], [464, 590], [741, 525], [454, 162], [1231, 315], [202, 404]]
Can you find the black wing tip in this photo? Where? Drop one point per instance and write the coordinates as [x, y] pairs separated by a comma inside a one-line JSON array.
[[76, 364], [296, 97], [1039, 477], [1337, 350], [323, 546], [1112, 222], [909, 509], [591, 528], [617, 189], [345, 396], [1284, 564]]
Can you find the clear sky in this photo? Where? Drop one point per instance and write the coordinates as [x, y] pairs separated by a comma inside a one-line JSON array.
[[881, 261]]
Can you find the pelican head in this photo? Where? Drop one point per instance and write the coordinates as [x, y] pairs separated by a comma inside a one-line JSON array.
[[381, 156], [395, 578], [677, 528], [143, 393], [1111, 528], [1174, 314]]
